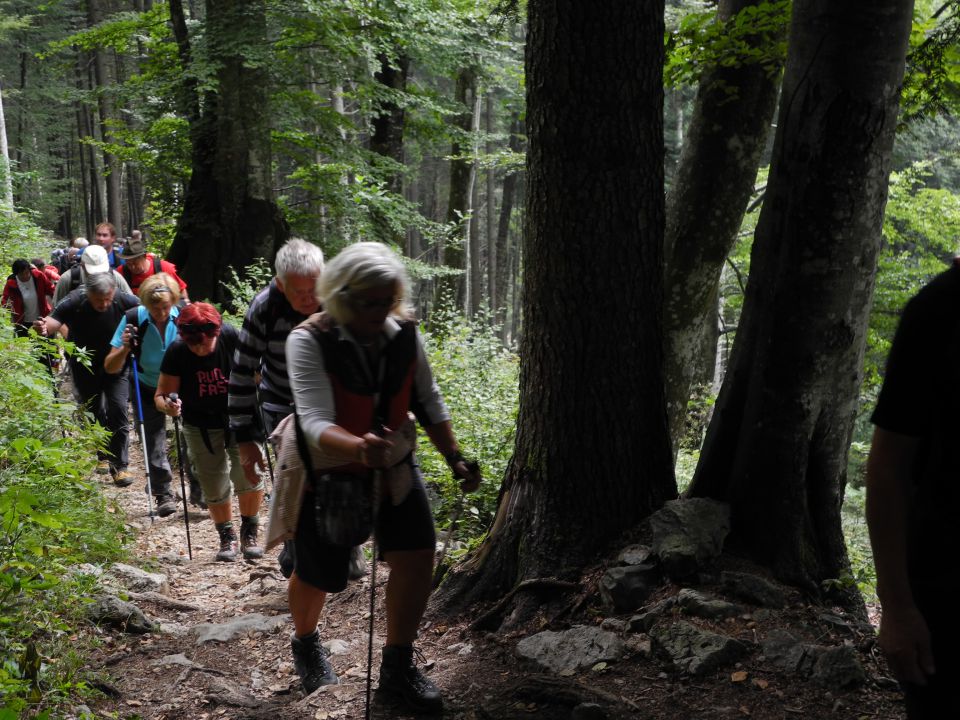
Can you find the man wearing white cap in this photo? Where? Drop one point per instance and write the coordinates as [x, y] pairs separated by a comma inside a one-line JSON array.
[[93, 261]]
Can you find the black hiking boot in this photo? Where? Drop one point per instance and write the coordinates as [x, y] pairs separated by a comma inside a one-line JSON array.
[[228, 543], [401, 680], [311, 664], [358, 564], [166, 505], [249, 529]]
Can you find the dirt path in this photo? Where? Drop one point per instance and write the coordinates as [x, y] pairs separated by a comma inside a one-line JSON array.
[[172, 674]]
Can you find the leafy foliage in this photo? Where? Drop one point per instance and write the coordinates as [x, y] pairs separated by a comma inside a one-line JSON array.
[[478, 379], [754, 36], [52, 518]]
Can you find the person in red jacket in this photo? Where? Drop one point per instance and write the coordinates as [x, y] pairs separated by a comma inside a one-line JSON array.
[[27, 293]]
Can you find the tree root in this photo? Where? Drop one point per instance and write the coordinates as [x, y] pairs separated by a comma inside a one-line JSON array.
[[531, 584]]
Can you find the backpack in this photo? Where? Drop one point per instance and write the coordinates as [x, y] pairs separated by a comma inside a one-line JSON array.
[[128, 276], [131, 316]]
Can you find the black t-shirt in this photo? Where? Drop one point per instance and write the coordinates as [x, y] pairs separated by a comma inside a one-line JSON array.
[[203, 380], [920, 398], [91, 329]]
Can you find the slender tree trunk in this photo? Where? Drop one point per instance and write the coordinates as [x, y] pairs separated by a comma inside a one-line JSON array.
[[5, 177], [458, 201], [112, 165], [491, 230], [592, 453], [500, 285], [387, 138], [711, 189], [777, 446]]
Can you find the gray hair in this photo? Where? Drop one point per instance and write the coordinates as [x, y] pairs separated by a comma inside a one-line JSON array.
[[298, 257], [101, 283], [358, 267], [81, 242]]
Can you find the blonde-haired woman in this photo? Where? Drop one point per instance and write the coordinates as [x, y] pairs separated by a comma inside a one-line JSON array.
[[356, 370], [145, 332]]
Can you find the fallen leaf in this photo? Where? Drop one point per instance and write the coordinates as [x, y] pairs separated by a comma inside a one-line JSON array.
[[321, 715], [599, 666], [761, 683], [739, 676], [744, 710]]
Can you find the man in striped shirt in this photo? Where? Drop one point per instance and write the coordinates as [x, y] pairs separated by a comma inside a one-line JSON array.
[[260, 363]]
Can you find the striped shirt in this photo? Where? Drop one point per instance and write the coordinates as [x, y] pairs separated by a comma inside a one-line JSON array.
[[268, 322]]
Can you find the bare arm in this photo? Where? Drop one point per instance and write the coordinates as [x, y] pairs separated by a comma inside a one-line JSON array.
[[904, 636]]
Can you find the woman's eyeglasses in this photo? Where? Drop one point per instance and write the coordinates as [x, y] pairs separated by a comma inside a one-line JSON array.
[[364, 304], [193, 334]]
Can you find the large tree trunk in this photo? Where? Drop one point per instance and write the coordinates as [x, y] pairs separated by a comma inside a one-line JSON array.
[[592, 454], [229, 216], [777, 446], [711, 188]]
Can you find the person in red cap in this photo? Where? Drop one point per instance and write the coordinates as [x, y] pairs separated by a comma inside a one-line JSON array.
[[197, 367]]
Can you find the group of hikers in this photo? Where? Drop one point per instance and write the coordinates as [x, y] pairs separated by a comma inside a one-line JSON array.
[[328, 364]]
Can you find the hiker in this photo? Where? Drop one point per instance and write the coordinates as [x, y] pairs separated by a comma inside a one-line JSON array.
[[93, 261], [27, 294], [356, 366], [105, 237], [911, 500], [138, 265], [146, 332], [92, 315], [286, 302], [51, 271], [197, 367]]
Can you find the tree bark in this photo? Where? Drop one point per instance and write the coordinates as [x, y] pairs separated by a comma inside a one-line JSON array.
[[229, 216], [711, 188], [777, 446], [592, 453]]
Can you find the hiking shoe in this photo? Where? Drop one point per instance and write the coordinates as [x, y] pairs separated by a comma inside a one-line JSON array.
[[310, 662], [248, 539], [196, 494], [228, 544], [166, 505], [401, 680], [123, 478], [358, 564], [103, 467]]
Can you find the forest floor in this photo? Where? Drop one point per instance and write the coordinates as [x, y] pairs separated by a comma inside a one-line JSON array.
[[169, 674]]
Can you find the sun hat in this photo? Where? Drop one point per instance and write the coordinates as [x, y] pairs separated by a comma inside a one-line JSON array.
[[95, 260]]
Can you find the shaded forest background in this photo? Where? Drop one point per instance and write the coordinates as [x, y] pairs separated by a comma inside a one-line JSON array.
[[220, 128]]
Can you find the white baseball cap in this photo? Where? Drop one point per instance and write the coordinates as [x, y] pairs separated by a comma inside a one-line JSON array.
[[95, 260]]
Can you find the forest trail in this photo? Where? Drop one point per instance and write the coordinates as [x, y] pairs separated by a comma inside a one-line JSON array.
[[173, 673]]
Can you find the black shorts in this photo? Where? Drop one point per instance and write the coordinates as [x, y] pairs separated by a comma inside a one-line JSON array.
[[407, 526]]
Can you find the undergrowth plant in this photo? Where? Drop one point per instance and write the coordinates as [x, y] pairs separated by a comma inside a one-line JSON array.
[[478, 379], [52, 520]]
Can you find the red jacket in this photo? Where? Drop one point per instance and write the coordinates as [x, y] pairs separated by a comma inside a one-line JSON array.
[[14, 300]]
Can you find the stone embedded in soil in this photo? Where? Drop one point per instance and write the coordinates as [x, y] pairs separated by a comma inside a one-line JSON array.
[[575, 649], [227, 631], [753, 589], [137, 580], [125, 616], [688, 535], [701, 605], [627, 588], [693, 650]]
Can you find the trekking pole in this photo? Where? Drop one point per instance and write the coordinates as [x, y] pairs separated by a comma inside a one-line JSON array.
[[143, 436], [377, 475], [183, 488], [266, 442]]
